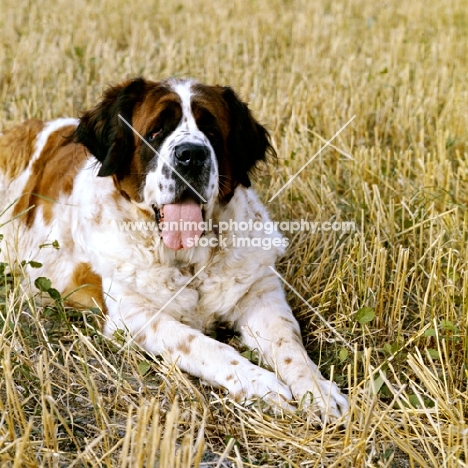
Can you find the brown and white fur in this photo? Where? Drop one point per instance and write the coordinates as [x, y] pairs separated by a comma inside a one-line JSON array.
[[76, 181]]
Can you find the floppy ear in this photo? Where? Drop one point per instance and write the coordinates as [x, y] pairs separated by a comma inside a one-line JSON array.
[[104, 134], [248, 141]]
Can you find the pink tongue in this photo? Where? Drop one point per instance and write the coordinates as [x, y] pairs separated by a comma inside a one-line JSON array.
[[182, 224]]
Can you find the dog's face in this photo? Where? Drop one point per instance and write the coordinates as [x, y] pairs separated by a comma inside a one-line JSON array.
[[178, 147]]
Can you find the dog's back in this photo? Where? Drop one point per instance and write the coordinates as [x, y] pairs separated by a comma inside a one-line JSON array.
[[38, 164], [16, 149]]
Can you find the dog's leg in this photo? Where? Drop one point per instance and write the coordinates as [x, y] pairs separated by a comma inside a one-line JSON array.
[[215, 363], [267, 323]]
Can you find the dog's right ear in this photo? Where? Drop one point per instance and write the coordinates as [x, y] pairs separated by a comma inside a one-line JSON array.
[[103, 132]]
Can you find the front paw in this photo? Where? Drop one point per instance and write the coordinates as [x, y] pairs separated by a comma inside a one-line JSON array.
[[255, 383], [321, 396]]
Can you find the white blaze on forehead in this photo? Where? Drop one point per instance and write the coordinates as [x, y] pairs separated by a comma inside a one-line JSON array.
[[187, 129]]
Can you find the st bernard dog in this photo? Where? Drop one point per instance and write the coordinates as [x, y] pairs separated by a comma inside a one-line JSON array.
[[167, 154]]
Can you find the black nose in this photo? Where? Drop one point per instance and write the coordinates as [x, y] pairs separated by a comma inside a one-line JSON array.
[[190, 154]]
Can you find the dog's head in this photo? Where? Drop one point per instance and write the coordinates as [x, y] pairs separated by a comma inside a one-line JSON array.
[[177, 146]]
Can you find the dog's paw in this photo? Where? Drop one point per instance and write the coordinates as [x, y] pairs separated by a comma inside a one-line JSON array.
[[322, 396], [254, 383]]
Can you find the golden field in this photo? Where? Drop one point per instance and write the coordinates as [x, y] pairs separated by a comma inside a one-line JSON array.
[[394, 289]]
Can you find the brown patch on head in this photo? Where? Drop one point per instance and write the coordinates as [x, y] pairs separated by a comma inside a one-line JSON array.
[[17, 147], [212, 116], [239, 141], [52, 175], [84, 288], [158, 110], [157, 115], [151, 108]]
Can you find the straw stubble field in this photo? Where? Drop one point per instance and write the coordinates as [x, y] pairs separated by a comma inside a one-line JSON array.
[[395, 288]]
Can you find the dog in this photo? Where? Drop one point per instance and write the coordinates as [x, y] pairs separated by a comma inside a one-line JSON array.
[[100, 204]]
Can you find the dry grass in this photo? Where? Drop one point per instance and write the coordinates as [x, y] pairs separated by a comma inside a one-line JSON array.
[[399, 171]]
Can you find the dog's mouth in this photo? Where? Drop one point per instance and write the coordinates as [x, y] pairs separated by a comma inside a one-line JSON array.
[[182, 222]]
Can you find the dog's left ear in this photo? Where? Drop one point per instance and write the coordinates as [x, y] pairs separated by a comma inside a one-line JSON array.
[[104, 134], [248, 141]]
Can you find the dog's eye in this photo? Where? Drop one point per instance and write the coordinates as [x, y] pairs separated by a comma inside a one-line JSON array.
[[153, 135], [211, 133]]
